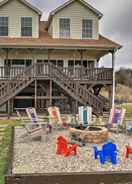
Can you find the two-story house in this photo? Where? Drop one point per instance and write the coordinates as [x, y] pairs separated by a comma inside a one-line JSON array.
[[54, 62]]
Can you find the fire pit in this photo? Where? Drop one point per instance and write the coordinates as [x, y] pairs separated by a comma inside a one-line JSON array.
[[91, 135]]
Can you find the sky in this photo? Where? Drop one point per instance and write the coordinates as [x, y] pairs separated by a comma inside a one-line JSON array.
[[116, 24]]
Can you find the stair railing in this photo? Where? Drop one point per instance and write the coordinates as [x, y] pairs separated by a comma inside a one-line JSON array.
[[82, 93], [16, 83]]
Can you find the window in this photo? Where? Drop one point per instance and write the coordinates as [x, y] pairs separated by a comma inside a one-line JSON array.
[[71, 63], [53, 62], [88, 63], [87, 28], [77, 62], [91, 63], [26, 26], [3, 26], [18, 62], [60, 63], [64, 28], [85, 63]]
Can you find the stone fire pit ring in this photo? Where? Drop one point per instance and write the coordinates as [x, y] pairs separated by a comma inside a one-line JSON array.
[[93, 134]]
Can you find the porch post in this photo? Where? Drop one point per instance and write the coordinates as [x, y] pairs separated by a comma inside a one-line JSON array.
[[8, 109], [35, 104], [113, 89], [50, 81], [9, 101], [81, 53], [50, 92], [97, 63]]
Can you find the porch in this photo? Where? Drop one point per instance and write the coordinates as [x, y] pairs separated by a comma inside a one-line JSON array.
[[75, 72], [43, 71]]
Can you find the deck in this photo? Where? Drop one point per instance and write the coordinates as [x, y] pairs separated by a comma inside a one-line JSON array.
[[43, 71]]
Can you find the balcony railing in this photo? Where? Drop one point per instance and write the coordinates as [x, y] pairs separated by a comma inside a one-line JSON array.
[[43, 71]]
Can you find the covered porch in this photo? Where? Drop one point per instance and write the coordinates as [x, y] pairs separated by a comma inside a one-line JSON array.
[[77, 64]]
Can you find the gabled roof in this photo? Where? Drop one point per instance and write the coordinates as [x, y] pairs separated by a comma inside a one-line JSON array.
[[98, 13], [3, 2]]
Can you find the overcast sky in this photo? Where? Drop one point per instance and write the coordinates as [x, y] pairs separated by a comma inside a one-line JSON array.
[[116, 24]]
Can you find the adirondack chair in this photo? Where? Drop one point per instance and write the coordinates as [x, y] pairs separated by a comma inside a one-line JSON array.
[[64, 148], [55, 117], [85, 115], [128, 151], [108, 153], [37, 124], [34, 129], [128, 127], [116, 118], [32, 115]]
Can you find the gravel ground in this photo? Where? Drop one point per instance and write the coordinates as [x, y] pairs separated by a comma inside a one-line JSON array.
[[40, 157]]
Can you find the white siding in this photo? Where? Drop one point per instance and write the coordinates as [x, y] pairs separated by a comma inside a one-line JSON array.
[[76, 12], [15, 10], [50, 30]]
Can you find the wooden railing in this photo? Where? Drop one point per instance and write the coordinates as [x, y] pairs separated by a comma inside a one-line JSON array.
[[11, 88], [7, 72], [42, 70], [77, 91], [89, 73]]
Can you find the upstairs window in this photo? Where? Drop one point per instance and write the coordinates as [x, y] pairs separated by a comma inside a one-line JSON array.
[[87, 28], [26, 26], [64, 28], [3, 26]]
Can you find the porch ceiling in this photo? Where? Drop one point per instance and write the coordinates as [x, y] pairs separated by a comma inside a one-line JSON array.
[[98, 53]]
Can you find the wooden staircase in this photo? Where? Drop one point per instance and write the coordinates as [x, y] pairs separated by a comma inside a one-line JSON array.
[[75, 90], [17, 83], [12, 88]]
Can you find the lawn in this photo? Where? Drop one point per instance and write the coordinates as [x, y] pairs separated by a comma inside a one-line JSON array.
[[4, 146], [128, 107]]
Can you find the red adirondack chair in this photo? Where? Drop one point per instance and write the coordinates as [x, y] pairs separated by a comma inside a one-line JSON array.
[[63, 148]]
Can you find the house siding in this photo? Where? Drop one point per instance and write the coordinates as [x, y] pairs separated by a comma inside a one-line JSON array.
[[15, 10], [76, 12]]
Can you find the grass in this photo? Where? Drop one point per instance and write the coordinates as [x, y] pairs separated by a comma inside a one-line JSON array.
[[128, 107], [4, 147]]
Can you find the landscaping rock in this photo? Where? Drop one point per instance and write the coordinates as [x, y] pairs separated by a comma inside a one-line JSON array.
[[40, 157]]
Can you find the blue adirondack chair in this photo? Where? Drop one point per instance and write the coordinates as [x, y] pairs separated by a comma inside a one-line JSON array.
[[85, 115], [108, 153]]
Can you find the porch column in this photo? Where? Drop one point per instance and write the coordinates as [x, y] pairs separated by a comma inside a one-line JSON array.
[[8, 109], [110, 88], [97, 63], [50, 93], [35, 103], [9, 101], [81, 54], [113, 89], [50, 82]]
